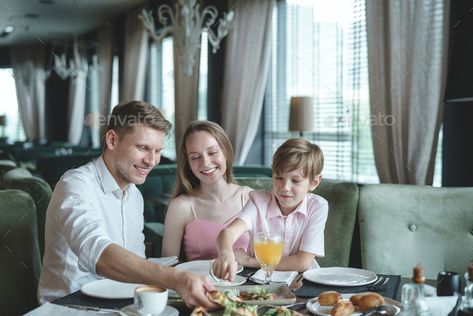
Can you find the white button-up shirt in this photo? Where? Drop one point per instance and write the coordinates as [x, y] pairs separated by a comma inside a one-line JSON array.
[[87, 212]]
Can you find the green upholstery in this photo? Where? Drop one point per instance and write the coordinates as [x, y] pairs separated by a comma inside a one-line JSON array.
[[342, 198], [38, 189], [5, 166], [20, 264], [154, 233], [402, 225]]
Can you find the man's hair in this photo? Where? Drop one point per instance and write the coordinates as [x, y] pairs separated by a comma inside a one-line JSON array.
[[126, 116], [186, 181], [298, 154]]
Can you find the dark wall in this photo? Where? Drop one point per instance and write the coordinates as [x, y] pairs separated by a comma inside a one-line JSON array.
[[457, 167]]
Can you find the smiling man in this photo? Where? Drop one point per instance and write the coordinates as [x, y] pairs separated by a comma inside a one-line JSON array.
[[94, 221]]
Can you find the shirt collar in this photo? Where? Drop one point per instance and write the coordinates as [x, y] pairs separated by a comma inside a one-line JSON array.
[[275, 211], [109, 185]]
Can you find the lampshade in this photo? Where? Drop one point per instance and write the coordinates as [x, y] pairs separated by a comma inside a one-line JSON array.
[[301, 115]]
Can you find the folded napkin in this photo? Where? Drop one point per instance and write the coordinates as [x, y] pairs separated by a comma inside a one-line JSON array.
[[441, 305], [284, 277], [165, 261], [58, 310]]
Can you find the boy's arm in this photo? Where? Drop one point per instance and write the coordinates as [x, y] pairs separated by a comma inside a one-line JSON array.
[[225, 265], [299, 262]]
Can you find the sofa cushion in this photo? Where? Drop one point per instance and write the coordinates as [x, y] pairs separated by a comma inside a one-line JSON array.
[[342, 199], [402, 225]]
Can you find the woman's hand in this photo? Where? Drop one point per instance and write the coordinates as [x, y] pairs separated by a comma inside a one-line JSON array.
[[225, 266]]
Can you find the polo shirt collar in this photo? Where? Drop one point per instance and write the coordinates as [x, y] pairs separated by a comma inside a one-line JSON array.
[[275, 211]]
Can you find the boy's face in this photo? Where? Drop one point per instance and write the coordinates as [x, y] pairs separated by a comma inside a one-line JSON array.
[[290, 189]]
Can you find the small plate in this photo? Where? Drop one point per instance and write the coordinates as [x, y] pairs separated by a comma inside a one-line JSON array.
[[283, 295], [340, 276], [315, 308], [106, 288], [203, 267], [130, 310]]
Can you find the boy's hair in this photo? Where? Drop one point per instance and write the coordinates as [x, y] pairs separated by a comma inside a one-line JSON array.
[[298, 154], [186, 181], [126, 116]]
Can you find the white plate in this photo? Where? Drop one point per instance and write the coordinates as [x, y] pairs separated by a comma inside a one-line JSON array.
[[315, 308], [340, 276], [203, 267], [130, 310], [106, 288]]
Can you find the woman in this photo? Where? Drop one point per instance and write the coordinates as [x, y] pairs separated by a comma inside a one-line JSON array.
[[205, 198]]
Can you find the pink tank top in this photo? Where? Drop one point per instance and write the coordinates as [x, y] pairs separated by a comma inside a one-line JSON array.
[[200, 237]]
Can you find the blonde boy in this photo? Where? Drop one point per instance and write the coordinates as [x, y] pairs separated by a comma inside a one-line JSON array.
[[289, 209]]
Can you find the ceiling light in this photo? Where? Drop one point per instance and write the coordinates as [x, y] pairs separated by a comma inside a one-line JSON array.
[[7, 30]]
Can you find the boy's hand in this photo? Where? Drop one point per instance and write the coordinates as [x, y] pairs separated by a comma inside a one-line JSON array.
[[246, 260], [225, 266]]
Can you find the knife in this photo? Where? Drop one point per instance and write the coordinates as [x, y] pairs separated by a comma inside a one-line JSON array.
[[93, 309]]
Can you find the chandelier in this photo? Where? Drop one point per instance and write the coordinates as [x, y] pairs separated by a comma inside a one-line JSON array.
[[65, 68], [187, 24]]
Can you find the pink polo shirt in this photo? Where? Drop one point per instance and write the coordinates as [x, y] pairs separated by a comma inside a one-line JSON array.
[[303, 229]]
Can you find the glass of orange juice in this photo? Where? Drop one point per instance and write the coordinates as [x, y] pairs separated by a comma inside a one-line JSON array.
[[268, 251]]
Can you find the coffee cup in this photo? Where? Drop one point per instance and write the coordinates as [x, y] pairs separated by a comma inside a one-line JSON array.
[[448, 283], [150, 300]]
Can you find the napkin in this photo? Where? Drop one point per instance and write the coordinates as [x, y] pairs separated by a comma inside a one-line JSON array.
[[284, 277], [441, 305], [165, 261], [58, 310]]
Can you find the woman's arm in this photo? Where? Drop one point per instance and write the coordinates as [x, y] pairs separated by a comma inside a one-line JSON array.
[[178, 216]]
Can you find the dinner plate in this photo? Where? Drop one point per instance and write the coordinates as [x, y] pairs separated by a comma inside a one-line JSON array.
[[106, 288], [130, 310], [340, 276], [203, 267], [315, 308]]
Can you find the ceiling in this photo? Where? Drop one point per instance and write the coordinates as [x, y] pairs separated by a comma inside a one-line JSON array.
[[49, 20]]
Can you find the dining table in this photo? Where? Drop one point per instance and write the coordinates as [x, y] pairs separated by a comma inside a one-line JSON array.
[[389, 289]]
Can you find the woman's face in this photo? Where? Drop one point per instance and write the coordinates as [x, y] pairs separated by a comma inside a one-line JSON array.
[[205, 157]]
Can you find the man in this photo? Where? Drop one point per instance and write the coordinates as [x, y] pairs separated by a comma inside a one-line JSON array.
[[94, 221]]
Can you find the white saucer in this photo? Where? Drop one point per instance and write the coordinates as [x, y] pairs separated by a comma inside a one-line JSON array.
[[130, 310]]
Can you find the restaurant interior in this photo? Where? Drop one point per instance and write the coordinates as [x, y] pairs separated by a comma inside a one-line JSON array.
[[383, 87]]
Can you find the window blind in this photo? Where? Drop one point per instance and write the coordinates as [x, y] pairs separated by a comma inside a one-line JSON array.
[[319, 50]]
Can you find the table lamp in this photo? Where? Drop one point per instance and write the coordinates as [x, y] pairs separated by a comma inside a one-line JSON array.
[[301, 114]]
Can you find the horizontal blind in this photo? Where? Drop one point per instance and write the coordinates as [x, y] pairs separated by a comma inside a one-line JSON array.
[[319, 50]]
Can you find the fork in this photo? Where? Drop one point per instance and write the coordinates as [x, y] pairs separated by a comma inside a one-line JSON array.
[[378, 285]]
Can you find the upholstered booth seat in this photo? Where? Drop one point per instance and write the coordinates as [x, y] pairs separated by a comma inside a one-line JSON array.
[[38, 189], [5, 166], [402, 225], [342, 198], [19, 253]]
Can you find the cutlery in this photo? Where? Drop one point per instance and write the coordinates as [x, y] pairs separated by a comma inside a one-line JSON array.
[[297, 282], [94, 309], [385, 281]]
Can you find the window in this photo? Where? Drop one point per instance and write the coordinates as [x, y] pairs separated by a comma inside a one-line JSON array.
[[319, 50], [13, 130], [160, 84]]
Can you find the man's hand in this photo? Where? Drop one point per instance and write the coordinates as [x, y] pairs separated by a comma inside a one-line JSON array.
[[193, 289]]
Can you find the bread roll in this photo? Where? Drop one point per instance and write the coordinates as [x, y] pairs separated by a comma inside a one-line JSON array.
[[343, 308], [370, 300], [356, 298], [328, 298]]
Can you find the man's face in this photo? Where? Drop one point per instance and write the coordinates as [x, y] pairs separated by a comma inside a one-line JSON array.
[[133, 155]]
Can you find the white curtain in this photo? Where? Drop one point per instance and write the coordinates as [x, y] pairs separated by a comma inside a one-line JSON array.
[[76, 102], [186, 93], [407, 47], [105, 56], [136, 57], [247, 60], [28, 64]]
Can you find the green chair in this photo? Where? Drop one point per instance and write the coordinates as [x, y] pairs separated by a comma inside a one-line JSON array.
[[38, 189], [20, 263], [342, 199], [5, 166], [403, 225]]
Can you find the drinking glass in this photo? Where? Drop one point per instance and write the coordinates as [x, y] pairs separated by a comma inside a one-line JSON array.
[[268, 251]]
